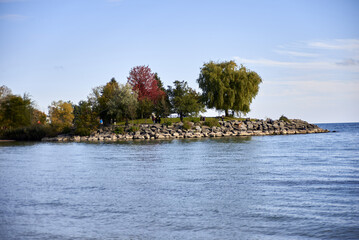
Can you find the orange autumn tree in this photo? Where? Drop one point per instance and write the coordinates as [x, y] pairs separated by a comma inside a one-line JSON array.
[[144, 82]]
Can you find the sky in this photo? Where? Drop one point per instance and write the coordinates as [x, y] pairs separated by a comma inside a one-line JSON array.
[[307, 52]]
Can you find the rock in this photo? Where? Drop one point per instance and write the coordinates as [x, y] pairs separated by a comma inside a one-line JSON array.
[[212, 134], [219, 134]]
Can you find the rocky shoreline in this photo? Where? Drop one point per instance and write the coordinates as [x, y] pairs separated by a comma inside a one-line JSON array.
[[196, 130]]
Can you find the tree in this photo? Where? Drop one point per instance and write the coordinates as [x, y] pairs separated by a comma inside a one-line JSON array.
[[185, 100], [38, 117], [124, 103], [144, 82], [163, 105], [145, 107], [226, 87], [61, 115], [107, 93], [4, 92], [85, 118], [15, 111]]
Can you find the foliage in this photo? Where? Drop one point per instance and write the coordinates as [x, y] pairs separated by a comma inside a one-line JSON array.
[[194, 119], [145, 107], [119, 130], [186, 125], [4, 92], [38, 117], [134, 128], [227, 87], [144, 83], [284, 118], [185, 100], [82, 131], [167, 123], [85, 118], [15, 111], [163, 106], [123, 103], [211, 122], [101, 98], [30, 133], [61, 115]]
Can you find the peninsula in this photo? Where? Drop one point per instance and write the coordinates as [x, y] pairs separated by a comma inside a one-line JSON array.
[[199, 129]]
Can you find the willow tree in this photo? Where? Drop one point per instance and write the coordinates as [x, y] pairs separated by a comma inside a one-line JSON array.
[[226, 86]]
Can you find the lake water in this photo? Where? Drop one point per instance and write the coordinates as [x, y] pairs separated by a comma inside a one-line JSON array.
[[269, 187]]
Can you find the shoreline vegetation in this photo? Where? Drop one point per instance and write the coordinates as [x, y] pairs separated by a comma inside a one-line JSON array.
[[212, 128], [225, 87]]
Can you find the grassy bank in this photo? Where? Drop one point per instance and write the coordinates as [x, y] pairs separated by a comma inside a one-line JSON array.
[[176, 120]]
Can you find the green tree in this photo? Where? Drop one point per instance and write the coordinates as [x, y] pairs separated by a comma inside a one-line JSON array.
[[145, 107], [61, 115], [225, 86], [85, 118], [163, 105], [100, 99], [124, 103], [184, 100], [15, 111]]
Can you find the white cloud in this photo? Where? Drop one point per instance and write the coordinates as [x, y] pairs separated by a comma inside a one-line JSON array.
[[314, 65], [296, 53], [308, 87], [336, 54], [348, 62], [336, 44]]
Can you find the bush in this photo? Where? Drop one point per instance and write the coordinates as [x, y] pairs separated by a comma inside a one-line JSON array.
[[31, 133], [168, 123], [284, 118], [119, 130], [82, 131], [194, 119], [211, 122], [186, 125], [134, 128]]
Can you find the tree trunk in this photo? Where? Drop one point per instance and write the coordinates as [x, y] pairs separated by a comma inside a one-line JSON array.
[[226, 112]]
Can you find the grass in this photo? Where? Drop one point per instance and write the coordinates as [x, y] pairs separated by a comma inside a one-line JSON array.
[[170, 121]]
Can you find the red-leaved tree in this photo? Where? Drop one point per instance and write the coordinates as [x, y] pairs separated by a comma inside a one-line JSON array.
[[144, 82]]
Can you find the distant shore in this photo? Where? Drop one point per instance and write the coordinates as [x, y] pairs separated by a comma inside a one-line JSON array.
[[195, 130]]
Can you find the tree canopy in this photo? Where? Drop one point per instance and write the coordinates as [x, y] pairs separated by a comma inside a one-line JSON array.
[[144, 82], [123, 103], [61, 115], [184, 100], [225, 86], [15, 111]]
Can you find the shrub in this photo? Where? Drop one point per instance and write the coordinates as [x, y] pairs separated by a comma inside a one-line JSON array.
[[211, 122], [186, 125], [31, 133], [119, 130], [194, 119], [284, 118], [168, 123], [82, 131], [134, 128]]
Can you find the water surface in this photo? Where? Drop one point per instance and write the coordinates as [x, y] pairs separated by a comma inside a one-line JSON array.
[[269, 187]]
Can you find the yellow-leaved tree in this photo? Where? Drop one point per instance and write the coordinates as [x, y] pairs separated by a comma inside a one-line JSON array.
[[61, 115]]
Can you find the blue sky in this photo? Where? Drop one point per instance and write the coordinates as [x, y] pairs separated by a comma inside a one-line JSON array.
[[307, 52]]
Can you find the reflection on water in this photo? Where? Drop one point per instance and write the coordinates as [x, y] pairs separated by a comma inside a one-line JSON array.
[[273, 187]]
